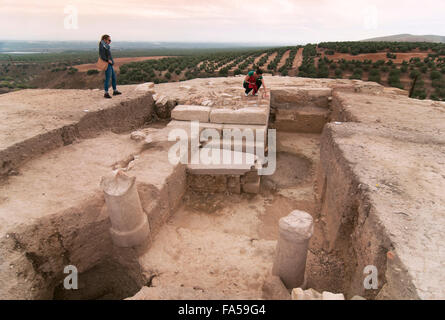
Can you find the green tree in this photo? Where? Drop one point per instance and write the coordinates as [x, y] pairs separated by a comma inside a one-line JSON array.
[[72, 71], [414, 74], [435, 75], [357, 74], [374, 75], [94, 71], [394, 79], [224, 72], [338, 73], [323, 72]]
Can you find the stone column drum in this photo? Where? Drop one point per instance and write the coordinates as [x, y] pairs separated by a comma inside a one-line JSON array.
[[296, 229], [129, 223]]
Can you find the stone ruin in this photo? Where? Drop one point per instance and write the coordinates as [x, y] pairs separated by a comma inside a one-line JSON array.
[[86, 182]]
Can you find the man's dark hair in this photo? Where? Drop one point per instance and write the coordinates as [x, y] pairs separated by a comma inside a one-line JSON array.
[[259, 71]]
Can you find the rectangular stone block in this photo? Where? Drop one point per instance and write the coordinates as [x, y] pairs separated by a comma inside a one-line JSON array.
[[234, 145], [258, 130], [252, 187], [186, 125], [251, 115], [310, 294], [251, 182], [230, 169], [191, 113], [251, 176]]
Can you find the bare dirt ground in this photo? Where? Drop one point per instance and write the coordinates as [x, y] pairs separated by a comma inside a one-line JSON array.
[[59, 193], [270, 59], [257, 60], [395, 159], [373, 182], [283, 59], [297, 62], [37, 121], [225, 65], [118, 62]]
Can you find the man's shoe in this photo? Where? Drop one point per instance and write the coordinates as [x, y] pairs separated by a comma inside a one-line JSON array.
[[116, 93], [107, 95]]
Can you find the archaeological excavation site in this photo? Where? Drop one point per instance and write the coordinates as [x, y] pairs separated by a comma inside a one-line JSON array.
[[339, 193]]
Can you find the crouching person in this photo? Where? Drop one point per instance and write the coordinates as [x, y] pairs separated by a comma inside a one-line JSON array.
[[253, 82]]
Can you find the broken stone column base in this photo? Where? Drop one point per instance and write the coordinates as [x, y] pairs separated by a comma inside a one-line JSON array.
[[129, 223], [131, 238]]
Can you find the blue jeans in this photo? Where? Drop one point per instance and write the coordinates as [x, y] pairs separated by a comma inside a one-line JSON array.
[[109, 73]]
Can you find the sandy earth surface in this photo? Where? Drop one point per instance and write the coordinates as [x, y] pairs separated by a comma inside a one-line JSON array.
[[397, 159], [406, 179], [29, 113], [50, 182], [37, 121]]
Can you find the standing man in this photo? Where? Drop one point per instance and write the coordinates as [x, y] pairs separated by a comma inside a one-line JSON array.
[[253, 82], [105, 55]]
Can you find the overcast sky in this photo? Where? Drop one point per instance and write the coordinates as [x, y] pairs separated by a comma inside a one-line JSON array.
[[258, 21]]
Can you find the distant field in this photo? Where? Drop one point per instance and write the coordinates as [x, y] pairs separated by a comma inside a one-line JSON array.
[[395, 64], [284, 61], [58, 69], [117, 62], [374, 57]]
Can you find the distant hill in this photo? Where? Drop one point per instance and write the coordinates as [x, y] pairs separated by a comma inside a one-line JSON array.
[[8, 46], [410, 38]]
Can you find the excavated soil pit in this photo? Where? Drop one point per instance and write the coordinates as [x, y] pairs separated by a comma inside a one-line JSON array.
[[108, 280], [222, 245]]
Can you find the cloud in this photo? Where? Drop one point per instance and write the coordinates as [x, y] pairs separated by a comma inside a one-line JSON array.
[[290, 21]]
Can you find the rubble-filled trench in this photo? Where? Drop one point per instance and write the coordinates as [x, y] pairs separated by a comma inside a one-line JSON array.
[[213, 234]]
